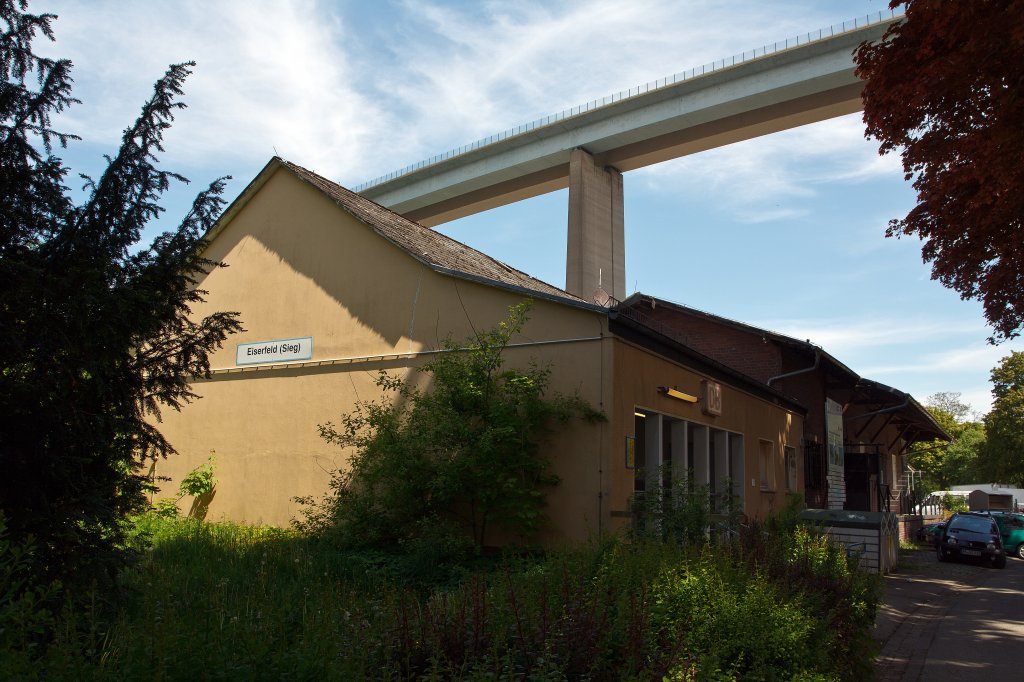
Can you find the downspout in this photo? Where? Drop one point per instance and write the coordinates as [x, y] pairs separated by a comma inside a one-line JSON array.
[[817, 361], [601, 322], [805, 370]]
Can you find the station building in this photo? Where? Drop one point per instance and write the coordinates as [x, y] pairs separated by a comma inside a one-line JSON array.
[[857, 432], [331, 288]]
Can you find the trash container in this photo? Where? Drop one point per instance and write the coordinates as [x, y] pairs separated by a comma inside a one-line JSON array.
[[872, 536]]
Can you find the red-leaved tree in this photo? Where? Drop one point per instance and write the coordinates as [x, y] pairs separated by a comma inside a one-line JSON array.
[[945, 88]]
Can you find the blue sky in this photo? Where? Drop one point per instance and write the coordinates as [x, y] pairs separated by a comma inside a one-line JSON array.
[[784, 232]]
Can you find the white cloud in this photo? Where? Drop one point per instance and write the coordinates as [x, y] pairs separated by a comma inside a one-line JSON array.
[[479, 69], [776, 176], [978, 357], [838, 337], [980, 400], [354, 100], [354, 90], [268, 74]]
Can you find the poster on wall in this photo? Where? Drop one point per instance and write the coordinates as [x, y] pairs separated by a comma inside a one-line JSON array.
[[834, 428], [836, 454]]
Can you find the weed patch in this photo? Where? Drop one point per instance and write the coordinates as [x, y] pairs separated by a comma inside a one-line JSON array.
[[224, 601]]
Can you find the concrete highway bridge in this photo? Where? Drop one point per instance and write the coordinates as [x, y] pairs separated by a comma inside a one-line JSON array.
[[587, 148]]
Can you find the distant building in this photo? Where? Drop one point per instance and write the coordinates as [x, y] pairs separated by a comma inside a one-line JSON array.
[[993, 496]]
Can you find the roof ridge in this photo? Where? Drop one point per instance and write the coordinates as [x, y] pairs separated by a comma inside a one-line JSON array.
[[639, 295]]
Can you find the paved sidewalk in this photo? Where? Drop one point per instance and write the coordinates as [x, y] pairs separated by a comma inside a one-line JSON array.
[[915, 600]]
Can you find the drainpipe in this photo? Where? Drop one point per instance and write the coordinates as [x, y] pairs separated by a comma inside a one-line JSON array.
[[817, 361], [805, 370]]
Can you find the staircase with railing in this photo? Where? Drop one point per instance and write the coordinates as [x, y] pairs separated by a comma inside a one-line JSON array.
[[900, 497]]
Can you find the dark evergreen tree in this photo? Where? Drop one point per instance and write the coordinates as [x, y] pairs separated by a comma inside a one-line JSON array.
[[96, 333]]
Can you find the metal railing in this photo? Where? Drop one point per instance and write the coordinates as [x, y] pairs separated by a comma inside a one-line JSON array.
[[696, 72]]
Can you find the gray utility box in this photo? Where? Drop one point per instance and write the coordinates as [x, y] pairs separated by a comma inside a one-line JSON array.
[[873, 536]]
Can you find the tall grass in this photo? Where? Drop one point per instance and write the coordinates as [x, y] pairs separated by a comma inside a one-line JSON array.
[[224, 602]]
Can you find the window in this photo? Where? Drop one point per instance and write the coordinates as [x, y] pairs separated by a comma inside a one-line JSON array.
[[736, 456], [668, 452], [766, 464], [720, 470], [639, 450], [790, 454]]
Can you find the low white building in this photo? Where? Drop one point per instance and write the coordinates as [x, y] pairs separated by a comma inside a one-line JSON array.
[[993, 491]]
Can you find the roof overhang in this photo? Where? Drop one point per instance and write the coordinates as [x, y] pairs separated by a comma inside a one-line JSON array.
[[875, 406], [645, 336]]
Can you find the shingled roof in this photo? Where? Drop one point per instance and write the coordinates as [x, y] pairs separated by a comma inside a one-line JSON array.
[[437, 251]]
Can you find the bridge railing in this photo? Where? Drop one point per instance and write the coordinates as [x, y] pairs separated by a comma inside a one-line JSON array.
[[696, 72]]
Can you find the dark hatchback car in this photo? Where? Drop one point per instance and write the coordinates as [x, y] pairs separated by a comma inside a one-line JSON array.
[[973, 536]]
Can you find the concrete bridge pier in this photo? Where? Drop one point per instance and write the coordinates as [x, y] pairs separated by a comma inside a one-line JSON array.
[[595, 250]]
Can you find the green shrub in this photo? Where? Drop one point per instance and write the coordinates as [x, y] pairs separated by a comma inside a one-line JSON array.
[[464, 456], [739, 631], [26, 618], [684, 512], [239, 602], [954, 503], [200, 483]]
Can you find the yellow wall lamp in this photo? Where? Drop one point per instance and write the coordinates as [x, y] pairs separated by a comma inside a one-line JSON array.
[[677, 394]]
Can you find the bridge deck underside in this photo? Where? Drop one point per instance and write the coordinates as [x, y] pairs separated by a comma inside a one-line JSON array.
[[786, 89], [498, 191]]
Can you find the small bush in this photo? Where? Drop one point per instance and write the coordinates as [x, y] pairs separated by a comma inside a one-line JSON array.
[[26, 618], [200, 483], [464, 457], [954, 503], [685, 513]]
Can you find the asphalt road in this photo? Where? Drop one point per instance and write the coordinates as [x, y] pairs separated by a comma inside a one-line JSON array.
[[951, 621]]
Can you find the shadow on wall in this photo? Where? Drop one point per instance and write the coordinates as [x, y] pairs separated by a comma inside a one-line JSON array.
[[334, 253], [201, 505]]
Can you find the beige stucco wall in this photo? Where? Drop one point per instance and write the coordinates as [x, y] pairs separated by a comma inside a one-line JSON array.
[[639, 373], [300, 266]]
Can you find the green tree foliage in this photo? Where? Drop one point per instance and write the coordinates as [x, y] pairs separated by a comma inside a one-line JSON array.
[[455, 461], [949, 410], [942, 463], [97, 334], [1003, 453], [962, 461], [954, 503], [943, 90]]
